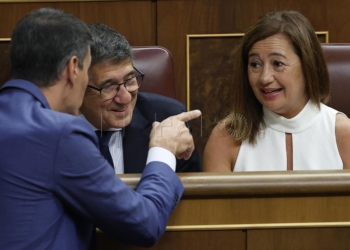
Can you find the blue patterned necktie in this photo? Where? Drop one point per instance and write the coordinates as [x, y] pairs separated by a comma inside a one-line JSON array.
[[103, 139]]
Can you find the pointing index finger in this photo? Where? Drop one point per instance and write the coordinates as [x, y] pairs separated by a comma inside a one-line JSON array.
[[187, 116]]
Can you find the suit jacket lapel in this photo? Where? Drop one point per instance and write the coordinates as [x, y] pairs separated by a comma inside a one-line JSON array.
[[135, 143]]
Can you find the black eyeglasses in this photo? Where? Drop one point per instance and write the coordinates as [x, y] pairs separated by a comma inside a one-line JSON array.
[[110, 91]]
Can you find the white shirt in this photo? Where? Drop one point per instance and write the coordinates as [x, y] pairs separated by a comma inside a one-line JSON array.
[[314, 142], [116, 149]]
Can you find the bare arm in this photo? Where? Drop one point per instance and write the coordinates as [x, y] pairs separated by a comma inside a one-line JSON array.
[[342, 133], [221, 151]]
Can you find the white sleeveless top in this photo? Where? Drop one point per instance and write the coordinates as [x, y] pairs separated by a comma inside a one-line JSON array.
[[313, 138]]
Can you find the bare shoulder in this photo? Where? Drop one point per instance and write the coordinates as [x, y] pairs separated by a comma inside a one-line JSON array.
[[342, 122], [342, 127], [220, 151], [342, 133]]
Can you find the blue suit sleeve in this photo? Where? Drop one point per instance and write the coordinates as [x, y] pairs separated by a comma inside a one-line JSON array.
[[86, 183]]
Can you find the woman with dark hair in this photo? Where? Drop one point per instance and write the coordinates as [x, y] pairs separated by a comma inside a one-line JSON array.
[[279, 120]]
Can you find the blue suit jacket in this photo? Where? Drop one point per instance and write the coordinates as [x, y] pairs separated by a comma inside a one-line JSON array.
[[149, 108], [54, 183]]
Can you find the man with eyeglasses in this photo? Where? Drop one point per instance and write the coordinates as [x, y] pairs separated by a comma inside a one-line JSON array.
[[54, 183], [121, 116]]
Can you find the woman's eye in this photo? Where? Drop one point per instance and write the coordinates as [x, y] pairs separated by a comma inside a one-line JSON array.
[[254, 65], [278, 64]]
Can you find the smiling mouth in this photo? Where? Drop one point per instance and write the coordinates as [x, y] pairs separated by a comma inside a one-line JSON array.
[[271, 91], [120, 110]]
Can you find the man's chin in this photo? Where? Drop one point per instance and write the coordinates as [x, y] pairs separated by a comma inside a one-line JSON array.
[[122, 123]]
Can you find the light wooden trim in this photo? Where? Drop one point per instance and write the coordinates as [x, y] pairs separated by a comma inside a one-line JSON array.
[[252, 226], [188, 37], [188, 71], [256, 226], [5, 39], [325, 33]]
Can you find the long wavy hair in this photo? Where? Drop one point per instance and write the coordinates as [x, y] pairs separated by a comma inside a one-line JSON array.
[[306, 45]]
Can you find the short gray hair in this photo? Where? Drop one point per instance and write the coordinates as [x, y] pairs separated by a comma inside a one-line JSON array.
[[108, 45]]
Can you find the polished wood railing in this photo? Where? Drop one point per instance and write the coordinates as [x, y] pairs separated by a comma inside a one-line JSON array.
[[257, 210]]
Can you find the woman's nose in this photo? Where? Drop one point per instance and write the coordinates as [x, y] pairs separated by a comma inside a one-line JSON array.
[[267, 75]]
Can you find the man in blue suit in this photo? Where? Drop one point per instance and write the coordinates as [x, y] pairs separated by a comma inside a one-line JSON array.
[[54, 182], [113, 104]]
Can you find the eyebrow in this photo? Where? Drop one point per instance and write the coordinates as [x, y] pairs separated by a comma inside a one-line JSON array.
[[105, 82], [270, 55]]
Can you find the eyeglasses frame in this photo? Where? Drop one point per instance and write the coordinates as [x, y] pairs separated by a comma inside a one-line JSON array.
[[119, 84]]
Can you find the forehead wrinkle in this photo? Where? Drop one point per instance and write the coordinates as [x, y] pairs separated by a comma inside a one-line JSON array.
[[277, 45], [276, 54], [269, 55]]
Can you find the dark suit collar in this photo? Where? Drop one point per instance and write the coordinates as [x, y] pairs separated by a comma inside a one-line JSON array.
[[138, 121], [29, 87], [135, 142]]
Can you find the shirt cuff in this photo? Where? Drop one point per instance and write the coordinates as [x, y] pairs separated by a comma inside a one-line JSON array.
[[161, 155]]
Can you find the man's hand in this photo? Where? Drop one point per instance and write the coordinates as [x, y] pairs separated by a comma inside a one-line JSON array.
[[173, 134]]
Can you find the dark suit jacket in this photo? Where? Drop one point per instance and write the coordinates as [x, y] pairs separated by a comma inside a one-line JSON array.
[[55, 184], [149, 108]]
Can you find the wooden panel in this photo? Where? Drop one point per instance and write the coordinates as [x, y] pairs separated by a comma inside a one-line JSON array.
[[210, 79], [195, 240], [266, 210], [61, 1], [133, 19], [193, 17], [260, 199], [300, 239], [4, 61], [140, 15], [235, 16], [237, 212]]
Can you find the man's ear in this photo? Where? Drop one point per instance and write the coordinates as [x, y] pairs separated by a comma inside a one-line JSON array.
[[72, 69]]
